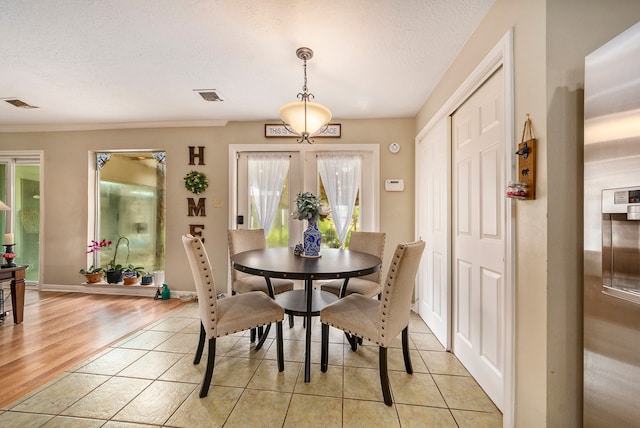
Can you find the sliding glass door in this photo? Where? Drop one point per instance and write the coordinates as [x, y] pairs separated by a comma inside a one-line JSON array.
[[20, 190]]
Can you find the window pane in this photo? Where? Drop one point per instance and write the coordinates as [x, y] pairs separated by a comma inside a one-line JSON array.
[[132, 204], [279, 234], [328, 228], [3, 198], [27, 219]]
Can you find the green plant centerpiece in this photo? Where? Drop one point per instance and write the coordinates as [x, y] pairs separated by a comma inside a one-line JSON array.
[[309, 207]]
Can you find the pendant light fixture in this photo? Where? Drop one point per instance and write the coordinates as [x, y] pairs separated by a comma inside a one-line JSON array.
[[305, 118]]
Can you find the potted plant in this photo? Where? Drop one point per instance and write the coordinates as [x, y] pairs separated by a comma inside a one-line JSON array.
[[114, 269], [147, 278], [93, 274], [309, 207], [131, 274]]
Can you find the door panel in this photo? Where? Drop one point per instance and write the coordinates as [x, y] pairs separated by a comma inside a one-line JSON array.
[[433, 174], [283, 226], [463, 301], [491, 297], [478, 241], [463, 197]]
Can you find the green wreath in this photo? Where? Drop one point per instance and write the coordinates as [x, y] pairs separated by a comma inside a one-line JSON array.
[[196, 182]]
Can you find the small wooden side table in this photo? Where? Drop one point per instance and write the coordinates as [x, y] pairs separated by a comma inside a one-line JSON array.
[[16, 276]]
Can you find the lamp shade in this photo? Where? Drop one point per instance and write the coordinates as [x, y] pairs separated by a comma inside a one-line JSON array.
[[293, 114], [4, 207]]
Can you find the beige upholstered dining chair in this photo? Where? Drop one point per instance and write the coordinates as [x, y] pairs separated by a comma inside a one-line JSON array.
[[379, 321], [369, 285], [220, 317], [253, 239]]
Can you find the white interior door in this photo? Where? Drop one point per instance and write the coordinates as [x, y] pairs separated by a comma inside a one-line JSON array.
[[478, 238], [433, 174]]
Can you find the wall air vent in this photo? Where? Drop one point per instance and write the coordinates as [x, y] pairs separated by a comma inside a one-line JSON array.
[[20, 104], [209, 94]]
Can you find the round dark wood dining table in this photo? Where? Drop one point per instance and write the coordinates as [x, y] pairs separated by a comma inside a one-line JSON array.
[[282, 263]]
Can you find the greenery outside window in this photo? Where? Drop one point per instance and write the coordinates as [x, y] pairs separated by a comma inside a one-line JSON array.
[[328, 228]]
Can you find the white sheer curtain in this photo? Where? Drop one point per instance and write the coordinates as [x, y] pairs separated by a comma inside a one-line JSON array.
[[340, 174], [267, 173]]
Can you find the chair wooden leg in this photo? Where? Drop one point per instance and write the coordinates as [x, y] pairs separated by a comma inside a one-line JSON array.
[[280, 346], [263, 336], [203, 335], [405, 350], [259, 332], [209, 371], [290, 321], [384, 376], [252, 337], [324, 353]]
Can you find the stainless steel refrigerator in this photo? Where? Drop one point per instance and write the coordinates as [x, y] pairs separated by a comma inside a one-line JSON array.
[[612, 233]]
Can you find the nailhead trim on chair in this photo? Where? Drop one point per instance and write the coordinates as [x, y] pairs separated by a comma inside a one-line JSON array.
[[203, 270], [391, 275], [387, 288]]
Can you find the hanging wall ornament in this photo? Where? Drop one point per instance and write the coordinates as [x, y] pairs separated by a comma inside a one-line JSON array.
[[196, 182]]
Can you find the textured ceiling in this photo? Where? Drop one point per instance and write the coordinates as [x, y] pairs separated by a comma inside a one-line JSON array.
[[96, 63]]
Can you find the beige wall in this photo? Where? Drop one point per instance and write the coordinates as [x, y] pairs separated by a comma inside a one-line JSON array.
[[67, 182], [551, 39], [575, 28], [527, 20]]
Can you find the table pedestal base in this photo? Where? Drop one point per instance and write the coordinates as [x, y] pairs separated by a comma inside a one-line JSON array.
[[306, 303]]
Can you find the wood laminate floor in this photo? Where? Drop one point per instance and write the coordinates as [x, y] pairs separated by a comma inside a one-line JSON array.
[[60, 330]]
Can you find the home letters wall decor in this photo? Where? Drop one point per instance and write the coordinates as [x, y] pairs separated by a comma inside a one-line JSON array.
[[193, 155], [196, 209]]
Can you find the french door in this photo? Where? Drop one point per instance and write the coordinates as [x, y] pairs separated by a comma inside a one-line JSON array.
[[303, 176], [283, 232]]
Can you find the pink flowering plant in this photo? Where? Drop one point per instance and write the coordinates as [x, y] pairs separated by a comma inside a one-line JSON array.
[[93, 247]]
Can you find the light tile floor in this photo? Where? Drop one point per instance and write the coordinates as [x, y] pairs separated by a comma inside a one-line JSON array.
[[148, 379]]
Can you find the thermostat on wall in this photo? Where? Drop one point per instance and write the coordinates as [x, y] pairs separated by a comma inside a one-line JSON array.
[[394, 185]]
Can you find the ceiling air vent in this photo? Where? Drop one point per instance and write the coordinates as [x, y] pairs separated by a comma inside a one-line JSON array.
[[209, 94], [20, 104]]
